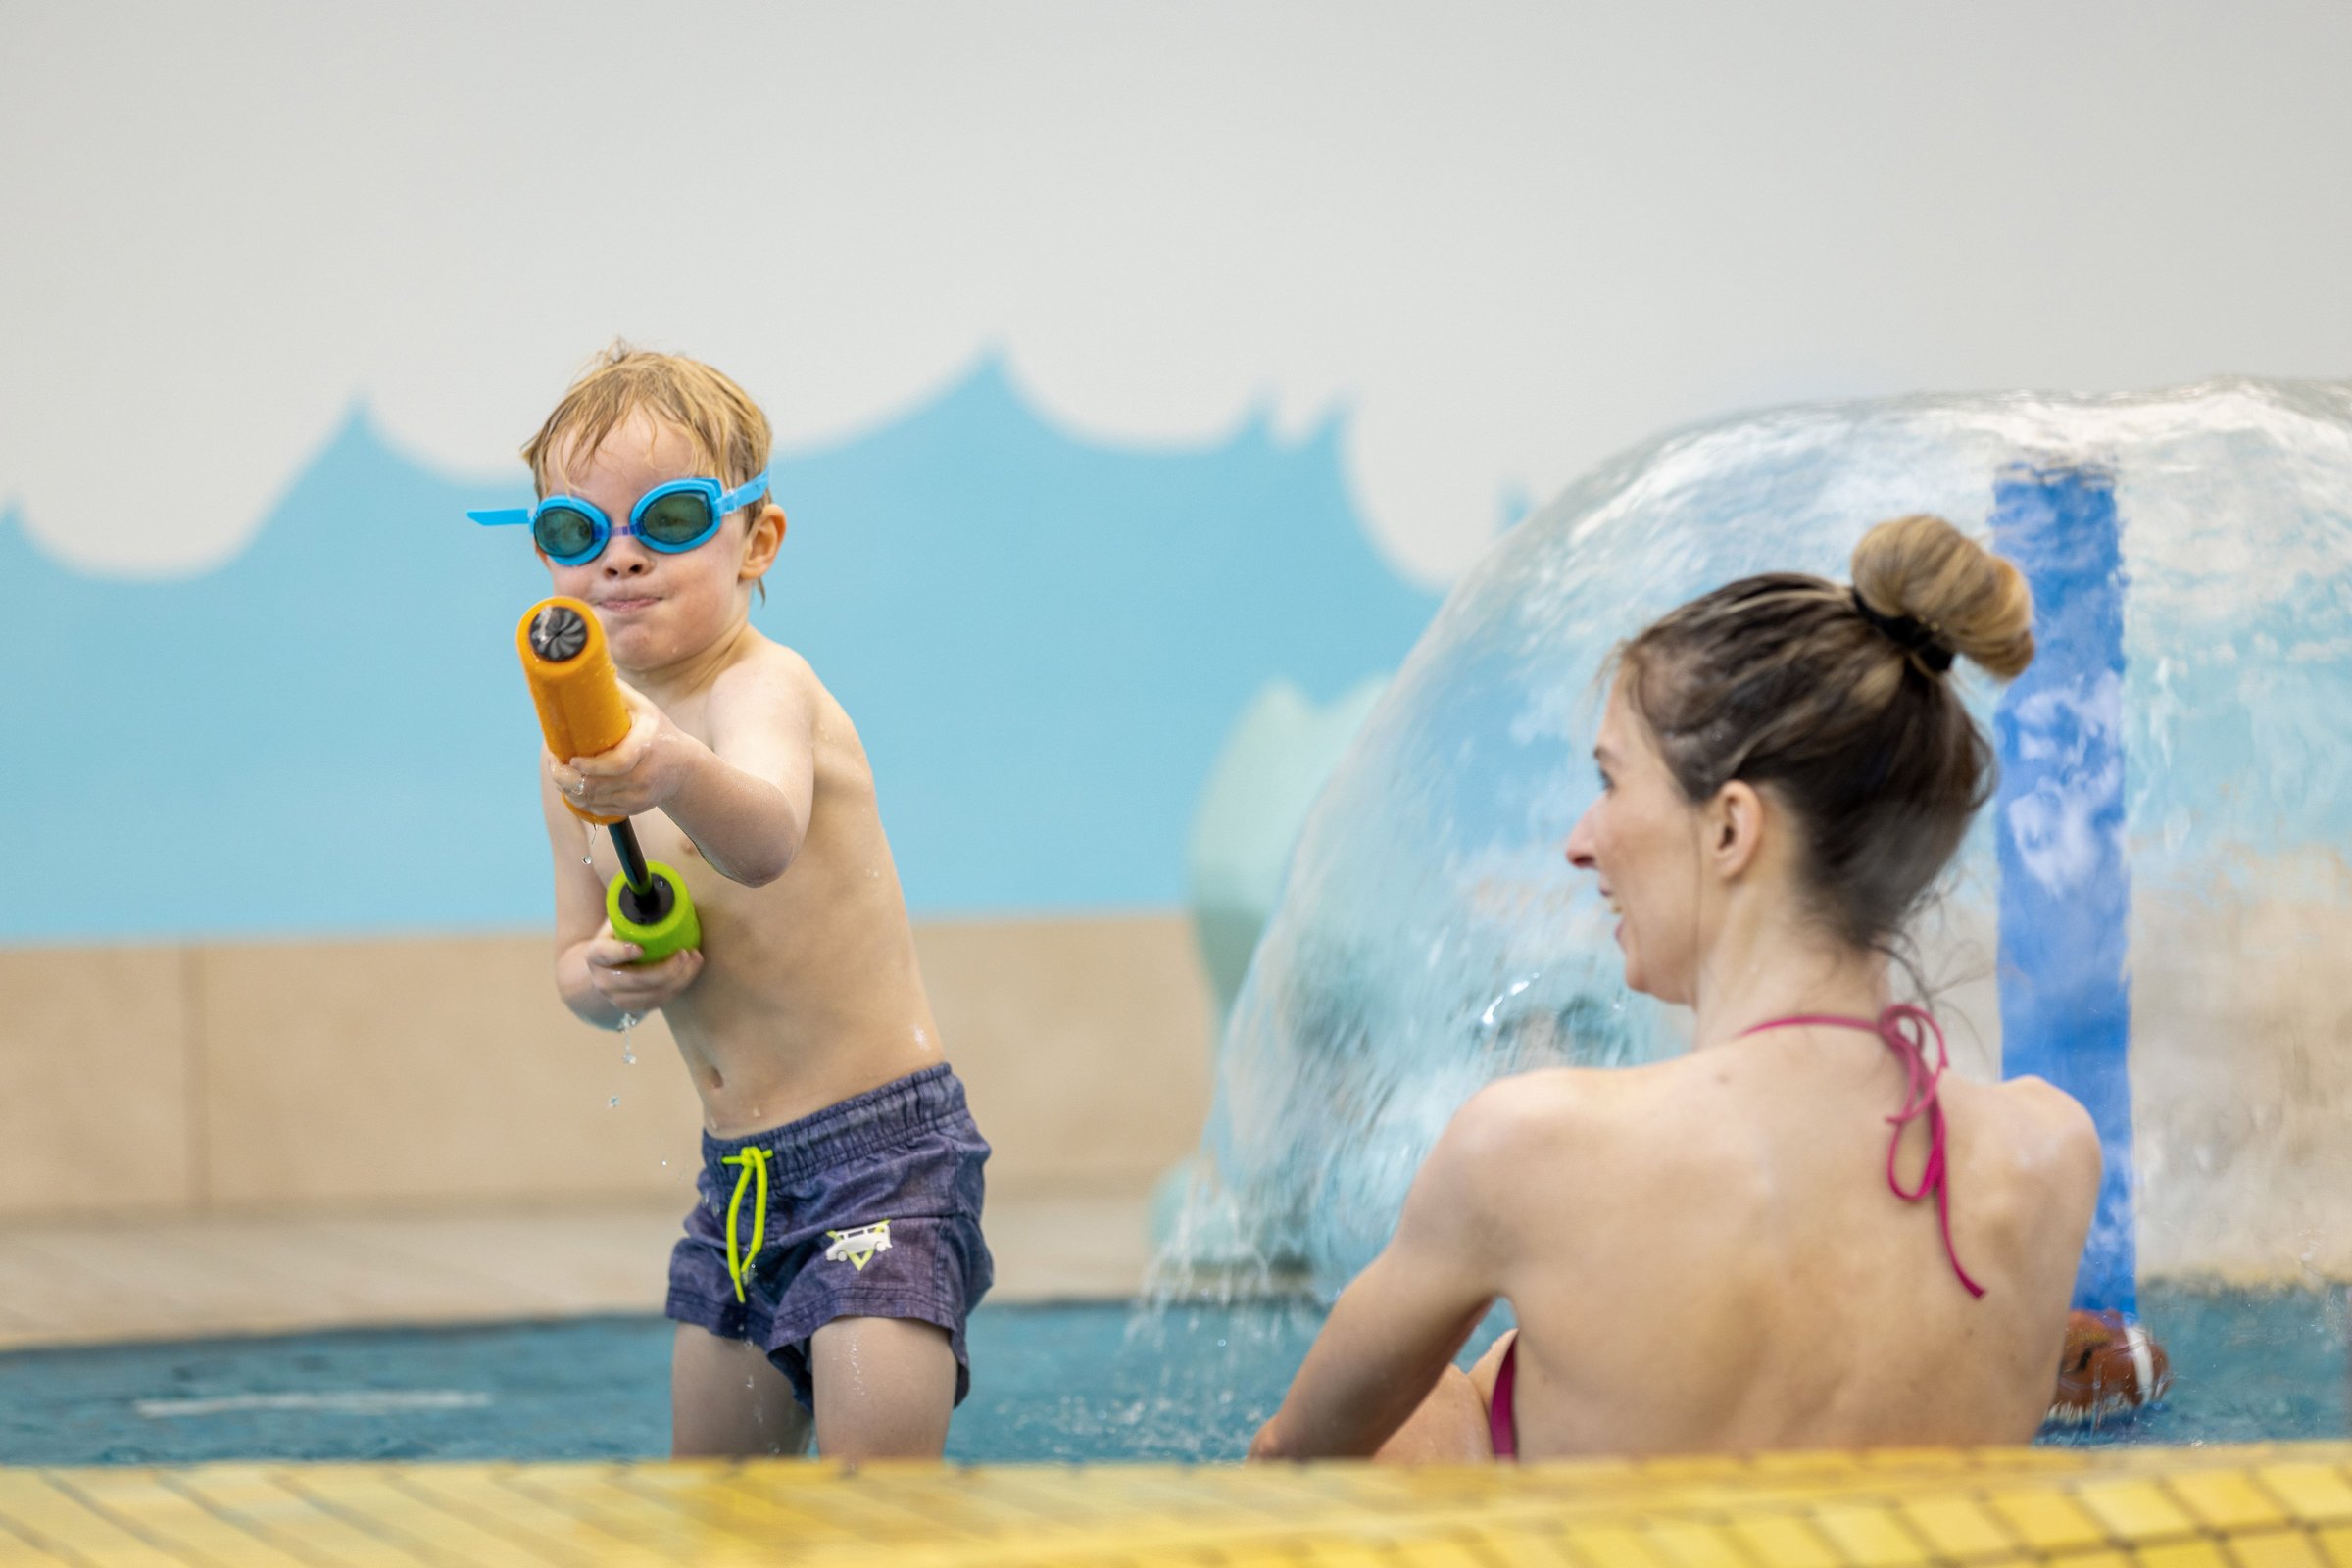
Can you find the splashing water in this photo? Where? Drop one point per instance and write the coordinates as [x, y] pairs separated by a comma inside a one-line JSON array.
[[628, 1053], [1431, 938]]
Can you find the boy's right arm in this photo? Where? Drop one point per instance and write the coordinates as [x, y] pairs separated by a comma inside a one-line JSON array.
[[596, 972]]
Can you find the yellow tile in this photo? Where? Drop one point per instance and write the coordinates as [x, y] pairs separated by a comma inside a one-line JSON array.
[[135, 1500], [473, 1496], [16, 1551], [42, 1514], [596, 1503], [1782, 1541], [2225, 1499], [2198, 1553], [1957, 1529], [430, 1534], [1538, 1548], [2314, 1494], [933, 1516], [2134, 1511], [2275, 1548], [1613, 1547], [1348, 1555], [2047, 1522], [1438, 1554], [1696, 1545], [254, 1502], [1868, 1535]]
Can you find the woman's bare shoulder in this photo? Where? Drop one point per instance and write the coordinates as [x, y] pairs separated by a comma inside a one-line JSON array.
[[2049, 1110], [1553, 1114], [2047, 1136]]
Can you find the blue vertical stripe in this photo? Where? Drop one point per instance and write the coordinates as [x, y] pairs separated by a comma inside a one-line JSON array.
[[2066, 888]]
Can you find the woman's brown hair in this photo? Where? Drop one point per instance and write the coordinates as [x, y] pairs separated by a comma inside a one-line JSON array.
[[1838, 702]]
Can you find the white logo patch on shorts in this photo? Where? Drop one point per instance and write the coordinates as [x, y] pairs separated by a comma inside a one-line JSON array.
[[857, 1248]]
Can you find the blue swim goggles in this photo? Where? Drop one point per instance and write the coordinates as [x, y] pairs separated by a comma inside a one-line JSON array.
[[671, 517]]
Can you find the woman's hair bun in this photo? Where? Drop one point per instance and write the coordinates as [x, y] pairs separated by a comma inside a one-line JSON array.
[[1969, 600]]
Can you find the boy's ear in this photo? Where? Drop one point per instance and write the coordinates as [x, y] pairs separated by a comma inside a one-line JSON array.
[[764, 539]]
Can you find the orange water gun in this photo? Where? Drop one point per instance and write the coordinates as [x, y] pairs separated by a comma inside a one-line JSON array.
[[578, 692]]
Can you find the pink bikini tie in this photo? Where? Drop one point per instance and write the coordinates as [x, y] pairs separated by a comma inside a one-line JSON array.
[[1910, 1048]]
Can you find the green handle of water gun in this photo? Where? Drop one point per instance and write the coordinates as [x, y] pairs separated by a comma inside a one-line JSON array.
[[675, 932]]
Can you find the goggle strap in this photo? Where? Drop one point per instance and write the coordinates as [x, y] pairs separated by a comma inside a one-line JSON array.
[[524, 516], [751, 491]]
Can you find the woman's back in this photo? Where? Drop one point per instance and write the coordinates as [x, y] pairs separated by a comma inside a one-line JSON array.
[[1706, 1255], [1712, 1258]]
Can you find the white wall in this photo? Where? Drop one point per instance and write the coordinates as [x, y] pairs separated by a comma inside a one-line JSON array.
[[1504, 239]]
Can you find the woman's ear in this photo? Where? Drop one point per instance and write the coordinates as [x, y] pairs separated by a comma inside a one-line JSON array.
[[1735, 829]]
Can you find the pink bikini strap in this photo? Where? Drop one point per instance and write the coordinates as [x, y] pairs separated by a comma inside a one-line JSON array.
[[1502, 1416], [1905, 1030]]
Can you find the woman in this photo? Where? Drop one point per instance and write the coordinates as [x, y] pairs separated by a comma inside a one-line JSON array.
[[1734, 1249]]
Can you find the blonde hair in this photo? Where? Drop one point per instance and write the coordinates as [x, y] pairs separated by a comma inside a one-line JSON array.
[[1837, 700], [718, 419]]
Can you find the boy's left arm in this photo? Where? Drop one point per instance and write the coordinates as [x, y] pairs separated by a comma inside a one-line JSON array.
[[744, 799]]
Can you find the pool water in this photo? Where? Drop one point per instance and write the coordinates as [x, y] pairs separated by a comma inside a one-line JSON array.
[[1050, 1384]]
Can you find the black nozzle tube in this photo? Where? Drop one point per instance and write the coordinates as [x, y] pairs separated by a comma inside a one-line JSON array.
[[633, 869]]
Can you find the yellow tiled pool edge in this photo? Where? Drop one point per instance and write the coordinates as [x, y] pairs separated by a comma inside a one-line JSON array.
[[2287, 1505]]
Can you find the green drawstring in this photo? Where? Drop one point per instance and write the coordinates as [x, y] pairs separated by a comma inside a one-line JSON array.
[[754, 1160]]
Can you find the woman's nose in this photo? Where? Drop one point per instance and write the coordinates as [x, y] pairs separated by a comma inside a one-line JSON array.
[[1579, 844]]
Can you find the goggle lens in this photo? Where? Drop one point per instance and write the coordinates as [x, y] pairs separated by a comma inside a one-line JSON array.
[[565, 532], [677, 518]]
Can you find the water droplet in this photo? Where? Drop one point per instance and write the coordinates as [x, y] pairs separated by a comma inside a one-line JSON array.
[[613, 1103]]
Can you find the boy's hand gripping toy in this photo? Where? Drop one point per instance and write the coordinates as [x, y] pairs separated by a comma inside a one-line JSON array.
[[580, 712]]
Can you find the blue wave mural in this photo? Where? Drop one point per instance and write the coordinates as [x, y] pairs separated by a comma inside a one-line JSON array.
[[1043, 642]]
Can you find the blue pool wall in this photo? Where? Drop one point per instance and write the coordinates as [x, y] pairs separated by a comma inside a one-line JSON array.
[[1043, 639]]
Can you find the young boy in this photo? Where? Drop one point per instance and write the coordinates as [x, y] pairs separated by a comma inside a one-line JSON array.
[[827, 1270]]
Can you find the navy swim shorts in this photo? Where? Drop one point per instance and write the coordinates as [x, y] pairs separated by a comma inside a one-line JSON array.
[[871, 1209]]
